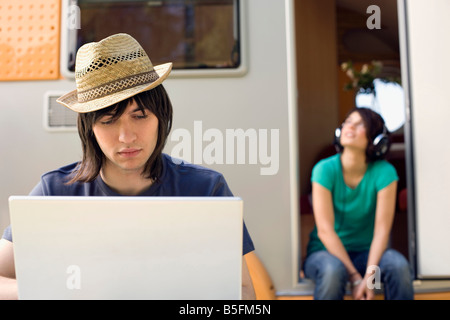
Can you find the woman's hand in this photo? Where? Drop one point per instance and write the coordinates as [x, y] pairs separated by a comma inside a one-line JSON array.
[[361, 290]]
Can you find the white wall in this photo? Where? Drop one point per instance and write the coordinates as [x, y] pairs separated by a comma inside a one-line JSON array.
[[428, 46], [27, 150]]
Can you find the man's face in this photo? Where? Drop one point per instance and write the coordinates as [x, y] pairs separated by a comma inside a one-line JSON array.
[[128, 141]]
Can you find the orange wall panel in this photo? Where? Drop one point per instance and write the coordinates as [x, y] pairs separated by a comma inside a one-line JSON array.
[[29, 39]]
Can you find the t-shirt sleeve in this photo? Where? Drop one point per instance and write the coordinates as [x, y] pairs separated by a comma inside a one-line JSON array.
[[323, 173], [385, 175], [247, 244], [221, 189], [7, 234], [38, 190]]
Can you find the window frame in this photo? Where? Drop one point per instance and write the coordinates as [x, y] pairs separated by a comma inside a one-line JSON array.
[[68, 33]]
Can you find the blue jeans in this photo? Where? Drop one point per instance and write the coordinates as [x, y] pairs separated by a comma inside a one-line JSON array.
[[330, 275]]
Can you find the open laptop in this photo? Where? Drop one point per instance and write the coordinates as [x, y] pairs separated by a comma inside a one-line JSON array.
[[127, 247]]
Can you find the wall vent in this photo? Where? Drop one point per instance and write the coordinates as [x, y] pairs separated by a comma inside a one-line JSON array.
[[56, 116]]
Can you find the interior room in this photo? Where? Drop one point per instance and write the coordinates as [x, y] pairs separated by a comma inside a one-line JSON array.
[[330, 33]]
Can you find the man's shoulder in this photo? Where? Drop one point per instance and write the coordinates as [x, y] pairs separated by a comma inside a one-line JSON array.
[[187, 179], [60, 173], [182, 168], [55, 182]]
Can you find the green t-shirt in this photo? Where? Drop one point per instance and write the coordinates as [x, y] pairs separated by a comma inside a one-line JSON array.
[[354, 209]]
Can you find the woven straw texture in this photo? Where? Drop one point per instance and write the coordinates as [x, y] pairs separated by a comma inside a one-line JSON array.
[[110, 71]]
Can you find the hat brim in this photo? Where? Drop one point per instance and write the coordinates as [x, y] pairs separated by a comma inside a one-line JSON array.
[[70, 100]]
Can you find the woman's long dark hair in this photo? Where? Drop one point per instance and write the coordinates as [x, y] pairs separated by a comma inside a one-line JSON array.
[[155, 100]]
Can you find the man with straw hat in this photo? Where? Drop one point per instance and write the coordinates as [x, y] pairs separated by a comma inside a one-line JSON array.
[[125, 117]]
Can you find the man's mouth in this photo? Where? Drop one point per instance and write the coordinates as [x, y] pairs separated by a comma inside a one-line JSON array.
[[129, 152]]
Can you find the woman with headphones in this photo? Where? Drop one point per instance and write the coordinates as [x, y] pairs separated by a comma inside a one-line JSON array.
[[353, 197]]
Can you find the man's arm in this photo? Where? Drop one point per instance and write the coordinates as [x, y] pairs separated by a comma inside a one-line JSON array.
[[248, 292], [8, 283]]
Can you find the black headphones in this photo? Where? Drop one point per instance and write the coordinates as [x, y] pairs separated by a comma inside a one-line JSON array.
[[380, 144]]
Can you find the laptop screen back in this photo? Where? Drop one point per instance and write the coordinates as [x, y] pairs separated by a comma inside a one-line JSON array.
[[127, 247]]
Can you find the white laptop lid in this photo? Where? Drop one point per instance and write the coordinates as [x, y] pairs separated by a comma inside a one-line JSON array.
[[127, 247]]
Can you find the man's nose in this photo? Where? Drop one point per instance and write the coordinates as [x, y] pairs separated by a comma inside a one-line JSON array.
[[127, 133]]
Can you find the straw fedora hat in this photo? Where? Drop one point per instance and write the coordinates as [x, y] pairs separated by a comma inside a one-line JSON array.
[[112, 70]]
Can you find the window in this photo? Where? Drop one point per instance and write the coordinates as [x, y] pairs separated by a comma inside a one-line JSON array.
[[388, 102], [195, 35]]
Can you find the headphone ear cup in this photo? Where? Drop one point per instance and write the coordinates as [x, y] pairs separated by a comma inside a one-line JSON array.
[[381, 145], [337, 140]]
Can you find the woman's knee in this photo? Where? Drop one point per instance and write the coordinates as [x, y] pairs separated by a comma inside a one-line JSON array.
[[393, 262], [327, 267], [329, 275]]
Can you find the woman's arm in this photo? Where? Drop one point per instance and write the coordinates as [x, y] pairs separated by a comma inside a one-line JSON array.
[[8, 283], [324, 218], [384, 216]]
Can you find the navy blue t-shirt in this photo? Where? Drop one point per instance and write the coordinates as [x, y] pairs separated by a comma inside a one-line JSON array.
[[178, 179]]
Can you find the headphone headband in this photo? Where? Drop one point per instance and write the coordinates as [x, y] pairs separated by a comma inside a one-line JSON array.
[[381, 143]]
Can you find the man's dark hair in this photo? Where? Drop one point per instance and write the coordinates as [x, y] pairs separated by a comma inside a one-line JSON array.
[[155, 100]]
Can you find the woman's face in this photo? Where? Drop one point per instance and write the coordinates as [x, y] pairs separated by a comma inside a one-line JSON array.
[[354, 132]]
